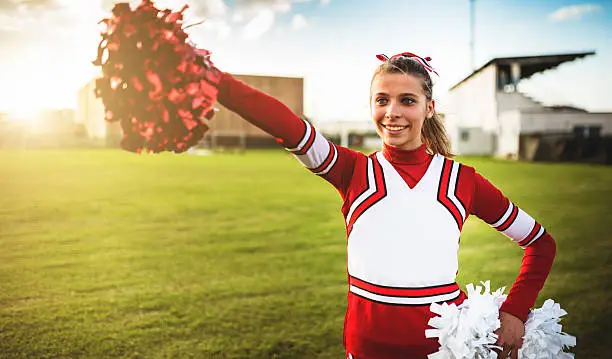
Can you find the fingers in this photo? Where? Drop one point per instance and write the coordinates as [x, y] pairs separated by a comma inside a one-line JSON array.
[[514, 353]]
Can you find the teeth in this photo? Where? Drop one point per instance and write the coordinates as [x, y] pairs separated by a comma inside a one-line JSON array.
[[394, 128]]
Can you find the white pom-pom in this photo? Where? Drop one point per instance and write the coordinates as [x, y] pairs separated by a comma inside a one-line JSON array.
[[467, 331], [543, 336]]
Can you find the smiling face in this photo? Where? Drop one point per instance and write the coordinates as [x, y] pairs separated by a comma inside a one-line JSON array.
[[399, 106]]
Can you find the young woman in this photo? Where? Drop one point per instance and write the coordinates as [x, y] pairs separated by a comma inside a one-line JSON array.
[[404, 209]]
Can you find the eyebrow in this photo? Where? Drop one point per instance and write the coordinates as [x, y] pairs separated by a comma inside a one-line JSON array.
[[402, 94]]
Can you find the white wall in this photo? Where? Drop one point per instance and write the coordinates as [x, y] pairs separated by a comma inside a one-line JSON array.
[[90, 111], [516, 122], [538, 122], [508, 101], [509, 133], [510, 105], [478, 142], [473, 105]]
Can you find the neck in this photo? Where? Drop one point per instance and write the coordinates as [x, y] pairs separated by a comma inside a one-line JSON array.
[[414, 156]]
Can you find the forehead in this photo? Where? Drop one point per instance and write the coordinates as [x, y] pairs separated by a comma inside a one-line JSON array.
[[396, 83]]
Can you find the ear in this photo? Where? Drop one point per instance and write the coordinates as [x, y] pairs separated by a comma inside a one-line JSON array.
[[431, 108]]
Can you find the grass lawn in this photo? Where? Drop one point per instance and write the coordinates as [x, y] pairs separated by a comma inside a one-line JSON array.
[[106, 254]]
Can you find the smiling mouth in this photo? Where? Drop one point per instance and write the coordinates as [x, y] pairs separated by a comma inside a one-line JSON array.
[[394, 128]]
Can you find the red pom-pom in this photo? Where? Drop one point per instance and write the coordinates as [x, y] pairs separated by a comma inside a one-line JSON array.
[[157, 84]]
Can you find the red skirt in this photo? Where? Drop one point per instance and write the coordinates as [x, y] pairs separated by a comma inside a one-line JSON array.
[[375, 330]]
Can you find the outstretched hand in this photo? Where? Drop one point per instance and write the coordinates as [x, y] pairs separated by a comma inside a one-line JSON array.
[[510, 335]]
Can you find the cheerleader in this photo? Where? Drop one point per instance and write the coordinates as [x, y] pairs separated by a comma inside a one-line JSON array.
[[404, 208]]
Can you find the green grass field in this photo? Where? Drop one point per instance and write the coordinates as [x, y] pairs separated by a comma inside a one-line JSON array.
[[106, 254]]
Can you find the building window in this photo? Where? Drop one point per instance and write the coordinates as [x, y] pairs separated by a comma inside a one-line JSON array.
[[587, 131], [464, 135]]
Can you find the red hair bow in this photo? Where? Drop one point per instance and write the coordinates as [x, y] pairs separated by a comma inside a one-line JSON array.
[[421, 60]]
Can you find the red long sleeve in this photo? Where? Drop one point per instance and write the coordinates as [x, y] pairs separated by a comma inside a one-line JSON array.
[[489, 204], [537, 261]]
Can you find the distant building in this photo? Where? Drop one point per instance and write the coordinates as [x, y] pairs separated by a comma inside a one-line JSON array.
[[487, 115], [90, 113], [46, 128], [60, 121], [227, 128], [351, 133]]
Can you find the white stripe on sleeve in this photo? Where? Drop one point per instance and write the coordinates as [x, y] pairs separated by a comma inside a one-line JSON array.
[[317, 153], [521, 227]]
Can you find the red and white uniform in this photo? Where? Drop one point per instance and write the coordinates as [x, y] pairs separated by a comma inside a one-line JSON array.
[[404, 211]]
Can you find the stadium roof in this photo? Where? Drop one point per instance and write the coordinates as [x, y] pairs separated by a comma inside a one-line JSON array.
[[530, 65]]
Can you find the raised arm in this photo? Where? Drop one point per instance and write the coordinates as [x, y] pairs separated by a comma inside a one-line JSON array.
[[332, 162]]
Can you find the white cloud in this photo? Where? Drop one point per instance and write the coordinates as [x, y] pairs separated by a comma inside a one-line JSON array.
[[298, 22], [260, 24], [218, 27], [260, 15], [325, 2], [573, 12], [256, 5], [211, 8], [19, 15]]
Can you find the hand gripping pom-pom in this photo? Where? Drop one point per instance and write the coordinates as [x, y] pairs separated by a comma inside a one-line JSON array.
[[467, 331], [159, 86]]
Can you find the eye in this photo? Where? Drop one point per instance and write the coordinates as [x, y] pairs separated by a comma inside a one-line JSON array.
[[381, 101], [408, 101]]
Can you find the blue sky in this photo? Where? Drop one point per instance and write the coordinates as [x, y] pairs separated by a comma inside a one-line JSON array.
[[331, 43]]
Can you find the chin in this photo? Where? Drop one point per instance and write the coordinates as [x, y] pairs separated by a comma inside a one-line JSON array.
[[395, 142]]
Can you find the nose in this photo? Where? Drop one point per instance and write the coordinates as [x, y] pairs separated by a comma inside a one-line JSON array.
[[392, 111]]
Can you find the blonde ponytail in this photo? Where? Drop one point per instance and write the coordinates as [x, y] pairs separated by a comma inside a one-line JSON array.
[[434, 135]]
